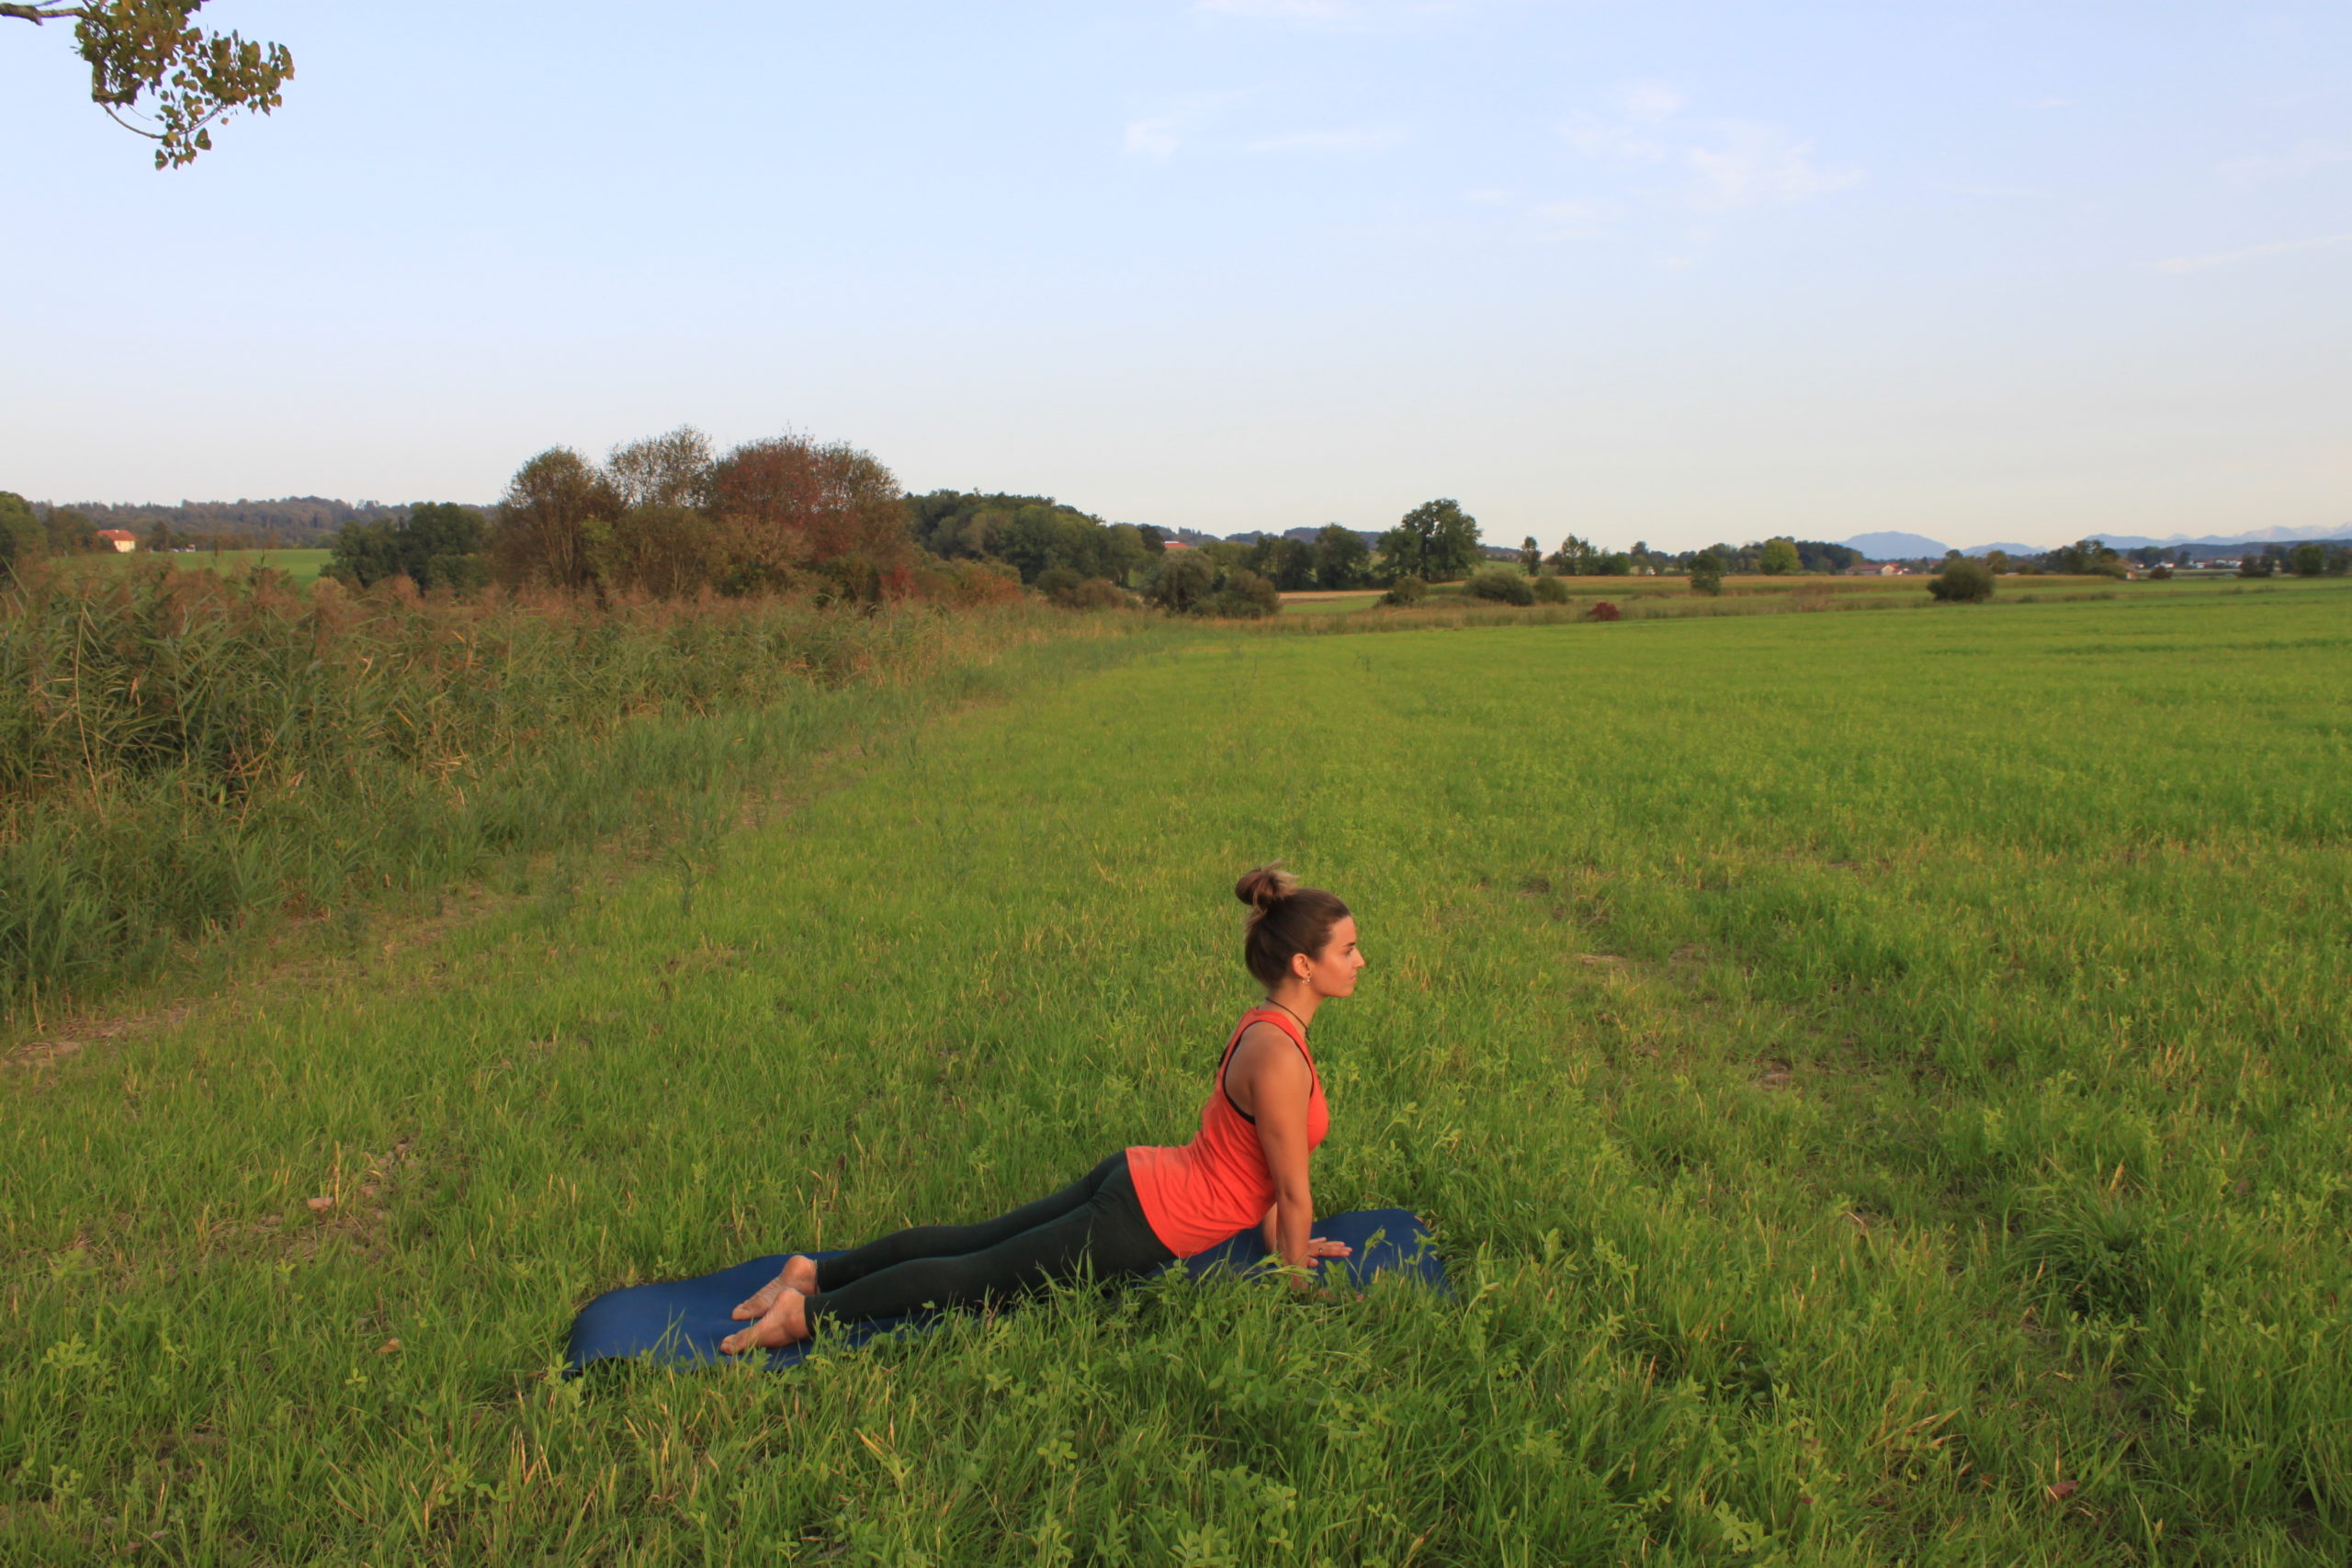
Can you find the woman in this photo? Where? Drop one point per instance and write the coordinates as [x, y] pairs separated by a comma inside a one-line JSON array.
[[1143, 1206]]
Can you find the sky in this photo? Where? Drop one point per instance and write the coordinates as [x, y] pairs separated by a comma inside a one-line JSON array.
[[1673, 272]]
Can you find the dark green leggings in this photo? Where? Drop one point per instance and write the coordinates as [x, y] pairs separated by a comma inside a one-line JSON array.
[[1096, 1221]]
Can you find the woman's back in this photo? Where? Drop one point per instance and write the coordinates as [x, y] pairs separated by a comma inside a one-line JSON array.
[[1220, 1183]]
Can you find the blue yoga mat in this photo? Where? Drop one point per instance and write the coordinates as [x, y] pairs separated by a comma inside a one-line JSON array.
[[681, 1321]]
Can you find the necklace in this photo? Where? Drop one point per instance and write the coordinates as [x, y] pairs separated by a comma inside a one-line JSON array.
[[1302, 1024]]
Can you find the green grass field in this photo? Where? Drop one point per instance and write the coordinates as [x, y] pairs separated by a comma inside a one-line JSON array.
[[1879, 1080], [302, 566]]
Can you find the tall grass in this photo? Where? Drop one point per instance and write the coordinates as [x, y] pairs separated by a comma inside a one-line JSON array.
[[184, 754]]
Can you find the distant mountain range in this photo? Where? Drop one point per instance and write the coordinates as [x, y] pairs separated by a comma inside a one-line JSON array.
[[1912, 547]]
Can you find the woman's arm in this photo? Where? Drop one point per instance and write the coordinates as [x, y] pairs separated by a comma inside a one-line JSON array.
[[1280, 1083]]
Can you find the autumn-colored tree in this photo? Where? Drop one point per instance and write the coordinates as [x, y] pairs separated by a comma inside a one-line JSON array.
[[151, 49], [789, 504]]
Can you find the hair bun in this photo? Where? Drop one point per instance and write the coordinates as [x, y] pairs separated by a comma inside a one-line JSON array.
[[1263, 888]]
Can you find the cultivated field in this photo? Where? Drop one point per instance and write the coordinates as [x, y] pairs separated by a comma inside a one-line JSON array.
[[1880, 1079], [1637, 597]]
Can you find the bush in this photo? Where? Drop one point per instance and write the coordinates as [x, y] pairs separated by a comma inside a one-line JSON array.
[[1963, 580], [1706, 573], [2160, 574], [1245, 595], [1501, 586], [438, 544], [966, 582], [1185, 582], [1602, 610], [1097, 594], [1549, 589], [1405, 591], [1058, 583]]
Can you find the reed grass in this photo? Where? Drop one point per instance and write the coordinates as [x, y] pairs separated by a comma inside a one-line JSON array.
[[187, 757]]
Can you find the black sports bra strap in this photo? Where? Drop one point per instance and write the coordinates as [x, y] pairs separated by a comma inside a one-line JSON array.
[[1230, 1046], [1313, 1077]]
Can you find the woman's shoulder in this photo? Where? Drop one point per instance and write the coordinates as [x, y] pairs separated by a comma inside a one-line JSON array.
[[1265, 1044]]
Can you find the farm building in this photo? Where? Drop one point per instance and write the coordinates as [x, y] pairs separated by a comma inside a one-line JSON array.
[[120, 539]]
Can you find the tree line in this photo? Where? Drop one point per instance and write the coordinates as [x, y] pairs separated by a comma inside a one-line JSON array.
[[671, 516]]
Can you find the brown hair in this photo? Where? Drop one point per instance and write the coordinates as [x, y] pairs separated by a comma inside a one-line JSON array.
[[1285, 919]]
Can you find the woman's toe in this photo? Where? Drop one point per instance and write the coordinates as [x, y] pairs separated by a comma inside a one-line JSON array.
[[759, 1304], [767, 1334]]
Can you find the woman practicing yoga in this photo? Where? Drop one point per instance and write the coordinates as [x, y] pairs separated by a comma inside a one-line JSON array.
[[1142, 1207]]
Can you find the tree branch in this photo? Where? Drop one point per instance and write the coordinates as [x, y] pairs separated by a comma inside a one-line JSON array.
[[44, 11], [134, 130]]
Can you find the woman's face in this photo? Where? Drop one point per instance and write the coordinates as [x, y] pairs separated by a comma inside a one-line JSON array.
[[1332, 972]]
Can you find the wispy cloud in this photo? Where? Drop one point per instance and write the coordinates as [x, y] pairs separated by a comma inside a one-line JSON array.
[[1592, 137], [1347, 139], [2250, 253], [1758, 166], [1730, 164], [2305, 159], [1159, 134], [1651, 102], [1574, 220]]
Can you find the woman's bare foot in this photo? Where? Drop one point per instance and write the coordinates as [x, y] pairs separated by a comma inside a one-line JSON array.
[[799, 1274], [785, 1323]]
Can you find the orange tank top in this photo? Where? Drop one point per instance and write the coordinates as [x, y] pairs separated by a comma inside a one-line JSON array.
[[1201, 1194]]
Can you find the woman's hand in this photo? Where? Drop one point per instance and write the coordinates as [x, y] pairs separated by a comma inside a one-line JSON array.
[[1306, 1282]]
